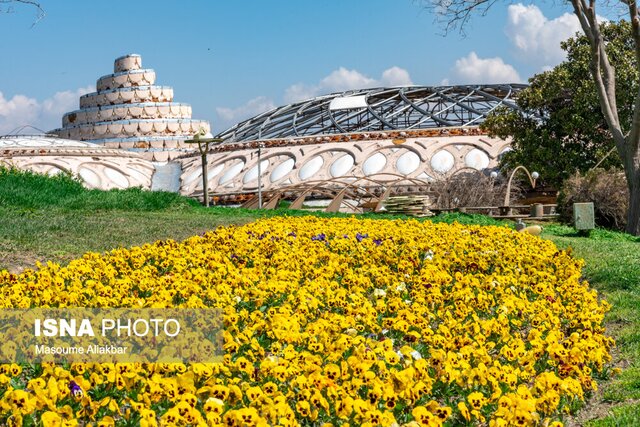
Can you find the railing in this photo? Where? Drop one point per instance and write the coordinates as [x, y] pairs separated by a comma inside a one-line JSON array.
[[536, 211]]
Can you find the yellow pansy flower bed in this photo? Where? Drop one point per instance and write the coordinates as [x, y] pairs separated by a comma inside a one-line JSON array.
[[330, 322]]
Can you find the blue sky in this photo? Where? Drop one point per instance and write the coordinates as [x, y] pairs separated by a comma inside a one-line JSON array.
[[233, 59]]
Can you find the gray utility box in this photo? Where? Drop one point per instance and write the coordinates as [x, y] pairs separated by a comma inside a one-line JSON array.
[[536, 210], [583, 216]]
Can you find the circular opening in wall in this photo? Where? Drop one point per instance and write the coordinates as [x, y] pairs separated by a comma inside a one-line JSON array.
[[311, 167], [117, 177], [503, 152], [342, 165], [442, 161], [407, 163], [89, 177], [476, 159], [231, 172], [53, 171], [253, 172], [196, 173], [282, 170], [374, 164]]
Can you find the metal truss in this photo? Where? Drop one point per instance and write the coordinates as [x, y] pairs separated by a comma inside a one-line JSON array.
[[397, 108]]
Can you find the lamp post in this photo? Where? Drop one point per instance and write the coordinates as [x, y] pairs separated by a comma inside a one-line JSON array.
[[260, 147], [204, 139], [507, 197]]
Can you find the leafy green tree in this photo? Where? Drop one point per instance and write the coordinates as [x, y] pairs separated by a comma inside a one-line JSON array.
[[626, 134], [560, 128]]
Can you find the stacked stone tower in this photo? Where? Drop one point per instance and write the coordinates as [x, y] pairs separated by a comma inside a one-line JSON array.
[[129, 111]]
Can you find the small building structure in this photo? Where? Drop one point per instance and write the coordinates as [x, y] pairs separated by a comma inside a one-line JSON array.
[[129, 111]]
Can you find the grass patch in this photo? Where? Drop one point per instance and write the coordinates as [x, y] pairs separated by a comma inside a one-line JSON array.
[[61, 235], [620, 416], [613, 258], [612, 266], [627, 387], [57, 219], [28, 191]]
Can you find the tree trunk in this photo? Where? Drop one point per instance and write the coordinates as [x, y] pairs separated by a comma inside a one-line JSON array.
[[633, 215]]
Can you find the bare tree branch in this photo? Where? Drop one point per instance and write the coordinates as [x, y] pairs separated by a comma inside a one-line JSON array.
[[456, 14], [40, 11]]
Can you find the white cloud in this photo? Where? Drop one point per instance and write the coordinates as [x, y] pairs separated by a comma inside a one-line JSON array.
[[344, 79], [396, 76], [537, 38], [300, 91], [17, 111], [472, 69], [21, 110], [251, 108]]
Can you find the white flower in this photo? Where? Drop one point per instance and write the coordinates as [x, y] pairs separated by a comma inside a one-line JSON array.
[[379, 293]]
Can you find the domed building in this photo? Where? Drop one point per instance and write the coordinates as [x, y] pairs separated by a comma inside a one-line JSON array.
[[365, 138], [129, 111]]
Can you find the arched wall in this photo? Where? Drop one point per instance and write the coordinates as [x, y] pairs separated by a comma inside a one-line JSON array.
[[426, 158], [98, 167]]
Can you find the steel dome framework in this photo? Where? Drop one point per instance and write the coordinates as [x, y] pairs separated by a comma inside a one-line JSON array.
[[378, 109]]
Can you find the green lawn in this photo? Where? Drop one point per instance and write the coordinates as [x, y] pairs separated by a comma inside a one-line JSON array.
[[612, 266], [56, 219]]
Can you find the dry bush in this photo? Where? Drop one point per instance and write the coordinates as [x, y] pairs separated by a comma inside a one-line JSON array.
[[472, 189], [608, 191]]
